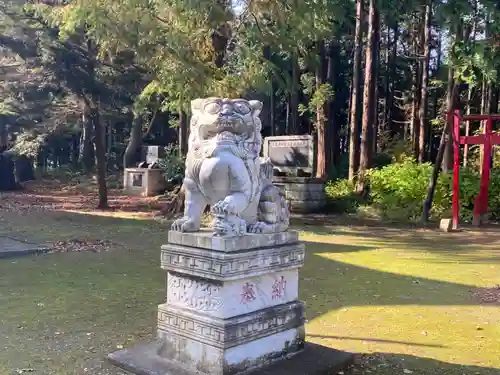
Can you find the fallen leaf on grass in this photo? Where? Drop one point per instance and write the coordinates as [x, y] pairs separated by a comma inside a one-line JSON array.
[[23, 370], [78, 245], [488, 295]]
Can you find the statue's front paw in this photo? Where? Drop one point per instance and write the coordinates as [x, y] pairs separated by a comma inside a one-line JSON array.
[[225, 207], [256, 227], [185, 225]]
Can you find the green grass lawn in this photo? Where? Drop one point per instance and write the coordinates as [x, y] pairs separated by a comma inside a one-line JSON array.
[[403, 296]]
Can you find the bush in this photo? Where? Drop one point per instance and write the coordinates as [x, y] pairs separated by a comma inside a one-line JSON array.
[[469, 189], [398, 190], [381, 160], [342, 196], [172, 165]]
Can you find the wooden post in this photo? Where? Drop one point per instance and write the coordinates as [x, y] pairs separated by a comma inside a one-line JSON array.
[[455, 134]]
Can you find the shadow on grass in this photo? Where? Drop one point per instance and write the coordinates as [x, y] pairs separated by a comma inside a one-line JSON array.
[[390, 364], [329, 285], [114, 295], [374, 340], [465, 245]]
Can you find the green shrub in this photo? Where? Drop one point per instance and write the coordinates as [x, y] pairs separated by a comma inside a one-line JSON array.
[[398, 190], [342, 196], [172, 164], [381, 160], [494, 194], [469, 189]]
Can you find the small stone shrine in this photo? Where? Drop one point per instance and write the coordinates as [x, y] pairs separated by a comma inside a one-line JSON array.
[[232, 290], [147, 178], [292, 157]]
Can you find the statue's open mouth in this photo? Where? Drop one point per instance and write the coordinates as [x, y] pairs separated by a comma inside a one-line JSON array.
[[224, 124]]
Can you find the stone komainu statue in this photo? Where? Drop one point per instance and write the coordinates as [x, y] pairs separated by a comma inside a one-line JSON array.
[[223, 169]]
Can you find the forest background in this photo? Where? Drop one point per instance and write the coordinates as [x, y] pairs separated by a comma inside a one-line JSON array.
[[85, 83]]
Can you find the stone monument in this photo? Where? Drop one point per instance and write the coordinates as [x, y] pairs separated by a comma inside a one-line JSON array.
[[147, 178], [293, 157], [232, 290]]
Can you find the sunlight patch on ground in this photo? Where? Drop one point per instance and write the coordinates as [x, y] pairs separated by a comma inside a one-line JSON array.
[[476, 265], [465, 335], [115, 214], [406, 295]]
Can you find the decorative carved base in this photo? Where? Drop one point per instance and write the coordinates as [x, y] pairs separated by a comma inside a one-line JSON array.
[[234, 297], [314, 359], [231, 308]]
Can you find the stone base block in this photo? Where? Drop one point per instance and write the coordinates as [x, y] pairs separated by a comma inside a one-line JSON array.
[[302, 195], [218, 346], [145, 359], [446, 225], [143, 181], [231, 298], [307, 207], [196, 356]]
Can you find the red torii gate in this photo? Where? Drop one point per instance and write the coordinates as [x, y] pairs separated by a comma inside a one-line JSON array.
[[487, 139]]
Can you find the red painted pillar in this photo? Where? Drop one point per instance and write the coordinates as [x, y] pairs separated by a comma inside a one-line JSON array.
[[455, 134], [481, 202], [485, 180]]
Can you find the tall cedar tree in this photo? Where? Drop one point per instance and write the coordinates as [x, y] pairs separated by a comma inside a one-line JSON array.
[[354, 136], [424, 91], [368, 121]]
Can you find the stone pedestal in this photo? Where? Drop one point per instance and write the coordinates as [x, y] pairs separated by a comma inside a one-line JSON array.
[[143, 181], [302, 194], [232, 308]]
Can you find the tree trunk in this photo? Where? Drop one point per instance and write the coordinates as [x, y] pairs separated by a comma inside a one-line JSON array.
[[332, 127], [294, 96], [435, 104], [470, 93], [91, 101], [366, 151], [414, 128], [494, 99], [450, 106], [109, 144], [470, 96], [424, 96], [272, 108], [221, 34], [390, 96], [183, 133], [134, 143], [100, 153], [75, 150], [431, 188], [87, 153], [376, 57], [484, 110], [322, 156], [4, 137], [355, 97]]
